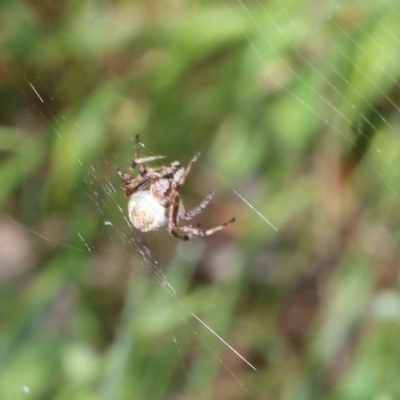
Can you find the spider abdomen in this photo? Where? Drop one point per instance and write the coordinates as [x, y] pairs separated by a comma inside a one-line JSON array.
[[145, 212]]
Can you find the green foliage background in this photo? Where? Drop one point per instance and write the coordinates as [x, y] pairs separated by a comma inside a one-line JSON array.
[[294, 105]]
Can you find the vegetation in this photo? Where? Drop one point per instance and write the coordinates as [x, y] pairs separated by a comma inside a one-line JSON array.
[[294, 107]]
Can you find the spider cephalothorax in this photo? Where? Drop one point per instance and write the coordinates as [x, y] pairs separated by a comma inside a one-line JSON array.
[[147, 208]]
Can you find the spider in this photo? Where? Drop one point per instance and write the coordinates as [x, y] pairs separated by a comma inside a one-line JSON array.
[[147, 208]]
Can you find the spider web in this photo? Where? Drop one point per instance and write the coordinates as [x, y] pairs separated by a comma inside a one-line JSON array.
[[103, 189]]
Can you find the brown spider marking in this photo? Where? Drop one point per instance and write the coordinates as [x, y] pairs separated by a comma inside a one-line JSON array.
[[147, 208]]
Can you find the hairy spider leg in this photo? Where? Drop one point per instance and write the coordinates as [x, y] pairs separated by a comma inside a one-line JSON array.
[[181, 179], [137, 145], [132, 185], [189, 230], [169, 169], [204, 232], [141, 163], [197, 210], [162, 171], [176, 205], [150, 171], [174, 217]]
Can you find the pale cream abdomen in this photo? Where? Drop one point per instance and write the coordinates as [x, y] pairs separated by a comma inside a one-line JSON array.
[[145, 212]]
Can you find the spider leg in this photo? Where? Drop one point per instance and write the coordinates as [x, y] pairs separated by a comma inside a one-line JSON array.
[[129, 184], [137, 146], [161, 172], [124, 175], [141, 163], [132, 185], [177, 210], [197, 210], [188, 231], [138, 161], [174, 233], [204, 232], [174, 208], [165, 170], [180, 178]]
